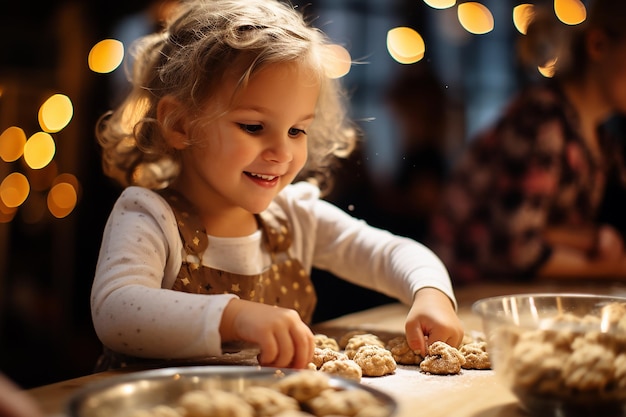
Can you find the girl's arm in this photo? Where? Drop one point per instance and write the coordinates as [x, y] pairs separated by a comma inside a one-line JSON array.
[[133, 310]]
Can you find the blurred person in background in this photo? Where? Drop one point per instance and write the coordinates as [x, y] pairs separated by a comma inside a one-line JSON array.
[[527, 199]]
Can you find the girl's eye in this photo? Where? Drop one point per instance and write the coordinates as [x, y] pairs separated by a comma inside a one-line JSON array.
[[294, 132], [250, 128]]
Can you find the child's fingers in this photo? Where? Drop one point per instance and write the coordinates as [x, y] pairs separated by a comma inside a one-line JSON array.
[[416, 339], [304, 348], [285, 350], [269, 349]]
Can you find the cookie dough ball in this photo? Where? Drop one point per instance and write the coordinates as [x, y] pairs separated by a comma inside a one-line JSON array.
[[476, 356], [358, 341], [402, 353], [303, 385], [321, 356], [341, 403], [324, 342], [620, 371], [343, 340], [375, 360], [214, 403], [534, 363], [590, 366], [442, 359], [268, 402], [346, 368]]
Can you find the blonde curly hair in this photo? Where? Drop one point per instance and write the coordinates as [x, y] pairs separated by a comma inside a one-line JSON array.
[[204, 42]]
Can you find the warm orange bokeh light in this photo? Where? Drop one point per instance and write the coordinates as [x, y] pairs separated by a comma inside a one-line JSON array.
[[106, 56], [6, 213], [522, 16], [14, 189], [405, 45], [12, 143], [570, 12], [337, 61], [440, 4], [39, 150], [62, 199], [475, 18], [68, 178], [55, 113], [548, 69]]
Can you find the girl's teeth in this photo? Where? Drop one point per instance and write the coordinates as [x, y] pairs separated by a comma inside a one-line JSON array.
[[264, 177]]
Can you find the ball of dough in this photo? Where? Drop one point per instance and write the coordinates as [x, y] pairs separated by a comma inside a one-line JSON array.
[[214, 403], [375, 360], [358, 341], [402, 353], [476, 356], [343, 340], [341, 403], [347, 368], [324, 342], [303, 385], [321, 356], [268, 402], [442, 359]]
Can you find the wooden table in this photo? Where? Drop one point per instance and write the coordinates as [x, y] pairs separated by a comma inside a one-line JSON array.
[[472, 393]]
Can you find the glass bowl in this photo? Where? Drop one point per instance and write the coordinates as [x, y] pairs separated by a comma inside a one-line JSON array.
[[560, 354]]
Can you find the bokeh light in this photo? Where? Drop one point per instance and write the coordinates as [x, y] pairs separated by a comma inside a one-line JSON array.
[[68, 178], [106, 56], [440, 4], [548, 69], [570, 12], [39, 150], [522, 16], [6, 213], [55, 113], [475, 18], [14, 189], [405, 45], [337, 61], [62, 199], [12, 143]]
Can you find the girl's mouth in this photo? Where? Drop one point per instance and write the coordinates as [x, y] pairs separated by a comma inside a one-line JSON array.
[[263, 179]]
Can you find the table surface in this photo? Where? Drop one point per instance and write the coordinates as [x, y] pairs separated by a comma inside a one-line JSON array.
[[472, 393]]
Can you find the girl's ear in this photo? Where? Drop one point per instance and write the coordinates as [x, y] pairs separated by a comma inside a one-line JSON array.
[[171, 118]]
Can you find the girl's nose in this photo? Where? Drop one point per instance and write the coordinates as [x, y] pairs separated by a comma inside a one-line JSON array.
[[278, 149]]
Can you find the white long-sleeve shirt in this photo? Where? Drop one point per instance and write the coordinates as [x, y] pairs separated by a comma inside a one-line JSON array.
[[135, 312]]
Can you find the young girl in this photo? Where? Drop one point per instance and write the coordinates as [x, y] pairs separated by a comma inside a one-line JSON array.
[[211, 242]]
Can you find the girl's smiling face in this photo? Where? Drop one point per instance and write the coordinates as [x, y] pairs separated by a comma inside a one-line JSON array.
[[244, 158]]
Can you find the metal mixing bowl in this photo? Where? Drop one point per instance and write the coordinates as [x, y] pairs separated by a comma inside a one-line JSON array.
[[117, 396]]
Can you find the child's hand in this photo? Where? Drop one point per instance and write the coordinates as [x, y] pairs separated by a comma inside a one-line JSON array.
[[432, 316], [284, 339]]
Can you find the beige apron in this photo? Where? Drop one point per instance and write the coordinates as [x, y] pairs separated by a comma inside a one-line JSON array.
[[284, 284]]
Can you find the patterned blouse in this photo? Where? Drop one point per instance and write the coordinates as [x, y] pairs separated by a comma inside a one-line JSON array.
[[531, 169]]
